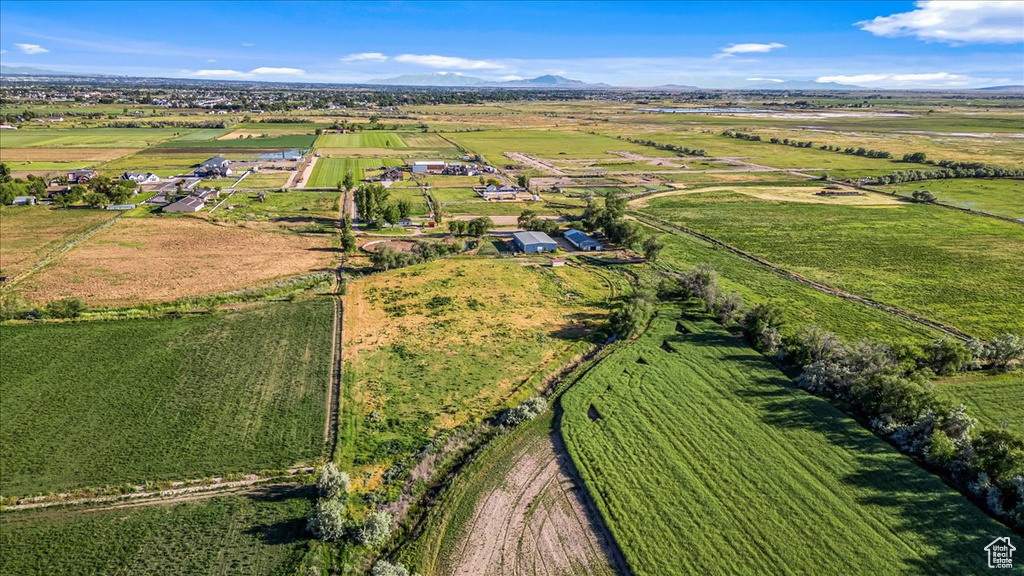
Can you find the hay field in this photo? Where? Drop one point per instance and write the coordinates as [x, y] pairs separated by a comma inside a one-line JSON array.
[[29, 233]]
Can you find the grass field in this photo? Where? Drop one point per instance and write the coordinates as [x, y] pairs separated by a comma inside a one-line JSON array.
[[137, 400], [298, 141], [800, 304], [29, 233], [284, 207], [704, 459], [914, 256], [995, 400], [328, 172], [546, 143], [413, 195], [371, 139], [433, 346], [265, 180], [999, 197], [90, 137], [164, 258], [257, 534]]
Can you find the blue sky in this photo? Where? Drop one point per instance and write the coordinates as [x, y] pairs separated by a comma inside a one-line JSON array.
[[928, 44]]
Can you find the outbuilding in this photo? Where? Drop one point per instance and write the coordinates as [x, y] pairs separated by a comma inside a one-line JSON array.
[[187, 204], [583, 241], [534, 242], [24, 201]]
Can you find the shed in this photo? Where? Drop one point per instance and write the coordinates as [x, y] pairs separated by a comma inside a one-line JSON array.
[[24, 201], [534, 242], [583, 241], [187, 204]]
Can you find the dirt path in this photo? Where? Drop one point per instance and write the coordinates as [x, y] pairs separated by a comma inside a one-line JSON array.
[[305, 173], [536, 521], [535, 163]]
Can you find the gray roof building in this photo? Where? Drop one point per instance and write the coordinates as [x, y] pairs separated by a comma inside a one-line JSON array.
[[534, 242]]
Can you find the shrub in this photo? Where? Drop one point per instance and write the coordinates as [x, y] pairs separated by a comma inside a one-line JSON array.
[[64, 308], [376, 530], [761, 325], [385, 568], [527, 410], [1005, 352], [332, 483], [329, 519]]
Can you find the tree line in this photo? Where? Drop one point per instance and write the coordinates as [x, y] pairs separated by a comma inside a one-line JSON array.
[[682, 150]]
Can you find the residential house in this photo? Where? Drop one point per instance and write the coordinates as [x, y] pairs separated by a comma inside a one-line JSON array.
[[186, 204], [214, 168], [140, 177], [81, 176]]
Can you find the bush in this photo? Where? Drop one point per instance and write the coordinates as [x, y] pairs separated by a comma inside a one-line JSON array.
[[65, 308], [632, 315], [761, 325], [527, 410], [375, 531], [385, 568], [329, 519], [332, 483], [1005, 352], [949, 356]]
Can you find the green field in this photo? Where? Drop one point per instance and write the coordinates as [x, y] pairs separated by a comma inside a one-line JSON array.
[[996, 400], [90, 137], [291, 205], [999, 197], [261, 533], [265, 180], [546, 143], [957, 269], [361, 140], [413, 195], [800, 304], [137, 400], [704, 459], [328, 172]]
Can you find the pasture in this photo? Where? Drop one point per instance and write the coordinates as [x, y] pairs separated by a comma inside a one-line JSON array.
[[257, 534], [328, 172], [913, 256], [492, 144], [291, 207], [30, 233], [704, 459], [996, 400], [270, 142], [138, 400], [371, 139], [999, 197], [157, 259], [90, 137], [434, 346]]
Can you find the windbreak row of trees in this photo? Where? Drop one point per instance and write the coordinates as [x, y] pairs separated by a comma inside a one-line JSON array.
[[887, 386], [387, 258], [372, 205], [683, 150], [949, 170]]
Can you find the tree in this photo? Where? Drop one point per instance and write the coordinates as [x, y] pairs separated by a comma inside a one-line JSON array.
[[523, 180], [458, 227], [5, 173], [385, 568], [404, 208], [96, 200], [949, 356], [349, 180], [527, 410], [480, 226], [391, 214], [923, 196], [376, 530], [727, 307], [1005, 351], [64, 308], [652, 247], [332, 483], [761, 325], [329, 519], [632, 315]]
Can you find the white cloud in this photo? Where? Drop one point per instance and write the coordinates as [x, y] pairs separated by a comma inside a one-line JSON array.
[[364, 56], [435, 61], [2, 51], [211, 60], [511, 77], [31, 48], [269, 71], [765, 80], [748, 48], [261, 71], [960, 22], [925, 79], [248, 44]]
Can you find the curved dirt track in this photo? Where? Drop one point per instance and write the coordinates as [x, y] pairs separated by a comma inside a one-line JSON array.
[[536, 521]]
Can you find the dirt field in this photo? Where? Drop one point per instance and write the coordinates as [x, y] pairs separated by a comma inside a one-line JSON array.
[[160, 259], [534, 522], [63, 154], [782, 194], [29, 233]]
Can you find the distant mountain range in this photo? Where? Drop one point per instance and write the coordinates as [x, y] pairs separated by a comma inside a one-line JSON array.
[[1010, 88], [27, 71], [457, 80], [801, 85]]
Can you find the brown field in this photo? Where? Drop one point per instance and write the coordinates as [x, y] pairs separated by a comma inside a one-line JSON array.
[[161, 259], [801, 194], [534, 521], [29, 233], [256, 133], [63, 154]]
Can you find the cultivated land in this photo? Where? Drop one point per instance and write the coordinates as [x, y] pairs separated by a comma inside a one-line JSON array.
[[328, 172], [255, 534], [703, 458], [159, 259], [999, 197], [493, 144], [434, 346], [996, 400], [903, 255], [137, 400], [515, 510]]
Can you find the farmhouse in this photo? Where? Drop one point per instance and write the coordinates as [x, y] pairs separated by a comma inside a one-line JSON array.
[[425, 166], [390, 174], [583, 241], [216, 166], [187, 204], [81, 176], [492, 192], [140, 177], [534, 242]]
